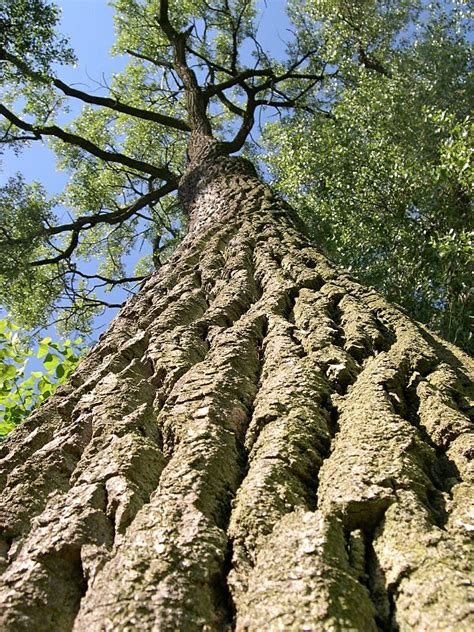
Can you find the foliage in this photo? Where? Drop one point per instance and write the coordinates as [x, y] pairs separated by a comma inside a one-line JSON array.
[[27, 28], [25, 292], [385, 181], [22, 389], [28, 31], [373, 145]]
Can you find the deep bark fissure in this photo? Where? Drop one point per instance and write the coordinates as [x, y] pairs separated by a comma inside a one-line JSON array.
[[443, 473], [366, 569], [382, 596], [223, 590]]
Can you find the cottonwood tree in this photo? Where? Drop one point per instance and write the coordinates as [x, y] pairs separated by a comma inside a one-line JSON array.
[[258, 441]]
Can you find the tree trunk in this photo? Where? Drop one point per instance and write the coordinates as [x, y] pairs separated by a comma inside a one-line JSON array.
[[257, 442]]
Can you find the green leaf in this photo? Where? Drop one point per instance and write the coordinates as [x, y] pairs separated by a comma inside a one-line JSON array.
[[8, 371], [42, 350], [60, 372], [50, 361]]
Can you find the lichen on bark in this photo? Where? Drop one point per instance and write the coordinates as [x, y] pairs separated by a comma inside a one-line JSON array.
[[257, 442]]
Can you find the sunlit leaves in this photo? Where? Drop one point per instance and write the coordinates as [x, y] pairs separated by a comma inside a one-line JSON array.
[[27, 29], [25, 214], [24, 209], [386, 183], [28, 32], [457, 150], [213, 24], [23, 389]]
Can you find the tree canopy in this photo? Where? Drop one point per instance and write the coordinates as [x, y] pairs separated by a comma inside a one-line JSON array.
[[365, 122], [385, 182]]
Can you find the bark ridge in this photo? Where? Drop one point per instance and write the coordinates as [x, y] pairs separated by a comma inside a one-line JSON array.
[[257, 443]]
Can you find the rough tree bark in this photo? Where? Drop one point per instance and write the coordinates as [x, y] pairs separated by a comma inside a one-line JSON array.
[[257, 442]]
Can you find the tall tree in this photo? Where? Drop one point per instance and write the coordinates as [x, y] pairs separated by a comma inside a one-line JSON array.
[[258, 441]]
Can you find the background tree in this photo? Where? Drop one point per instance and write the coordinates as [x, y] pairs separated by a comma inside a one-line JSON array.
[[385, 183], [258, 441]]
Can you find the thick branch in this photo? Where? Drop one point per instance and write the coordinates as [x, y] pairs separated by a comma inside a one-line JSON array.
[[114, 104], [73, 139], [87, 222], [247, 123], [232, 107], [196, 101]]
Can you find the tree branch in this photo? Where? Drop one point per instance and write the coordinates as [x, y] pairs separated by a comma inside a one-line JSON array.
[[251, 73], [232, 107], [162, 63], [195, 98], [238, 79], [209, 62], [114, 104], [371, 63], [88, 222], [107, 280], [73, 139], [247, 123]]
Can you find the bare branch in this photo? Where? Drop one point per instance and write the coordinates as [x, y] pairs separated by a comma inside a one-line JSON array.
[[238, 79], [252, 73], [88, 222], [107, 280], [162, 63], [211, 64]]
